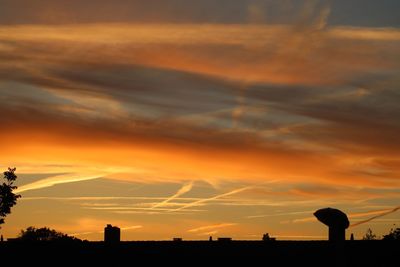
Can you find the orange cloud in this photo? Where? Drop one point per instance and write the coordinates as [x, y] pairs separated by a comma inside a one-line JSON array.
[[304, 113]]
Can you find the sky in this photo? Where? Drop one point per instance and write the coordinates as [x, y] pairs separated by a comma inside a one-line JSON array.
[[177, 118]]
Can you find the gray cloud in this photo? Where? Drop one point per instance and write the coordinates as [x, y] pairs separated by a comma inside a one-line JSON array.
[[354, 12], [208, 11], [329, 99]]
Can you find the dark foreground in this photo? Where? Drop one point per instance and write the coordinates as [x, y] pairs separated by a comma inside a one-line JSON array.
[[203, 253]]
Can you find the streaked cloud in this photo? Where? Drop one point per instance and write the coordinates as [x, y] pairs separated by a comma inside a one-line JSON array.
[[358, 12], [133, 227], [379, 215], [138, 209], [278, 214], [205, 200], [59, 179], [211, 227], [208, 233], [183, 190], [273, 116], [126, 228], [305, 220]]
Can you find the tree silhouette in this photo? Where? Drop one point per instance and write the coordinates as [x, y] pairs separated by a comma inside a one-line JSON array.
[[393, 235], [369, 235], [44, 234], [7, 198]]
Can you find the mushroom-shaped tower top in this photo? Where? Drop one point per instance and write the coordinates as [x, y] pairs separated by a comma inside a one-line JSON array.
[[332, 218]]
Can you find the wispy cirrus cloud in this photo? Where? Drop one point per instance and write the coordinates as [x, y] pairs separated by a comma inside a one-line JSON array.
[[283, 115]]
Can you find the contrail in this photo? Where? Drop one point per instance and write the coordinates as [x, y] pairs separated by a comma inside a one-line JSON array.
[[196, 203], [211, 227], [59, 179], [184, 189], [134, 227], [377, 216]]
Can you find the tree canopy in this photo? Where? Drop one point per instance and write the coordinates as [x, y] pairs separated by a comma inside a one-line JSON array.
[[369, 235], [7, 198], [393, 235], [44, 234]]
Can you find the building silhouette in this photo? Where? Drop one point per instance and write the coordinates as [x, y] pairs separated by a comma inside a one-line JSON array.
[[267, 238], [337, 222], [112, 234], [337, 234]]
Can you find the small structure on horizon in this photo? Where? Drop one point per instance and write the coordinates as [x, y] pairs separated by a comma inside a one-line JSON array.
[[267, 238], [337, 222], [177, 239], [224, 239], [112, 234]]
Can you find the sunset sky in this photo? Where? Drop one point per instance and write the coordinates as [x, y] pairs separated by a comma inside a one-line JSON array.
[[191, 118]]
